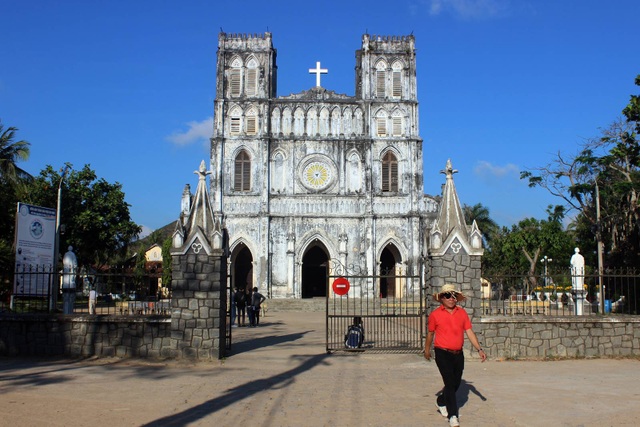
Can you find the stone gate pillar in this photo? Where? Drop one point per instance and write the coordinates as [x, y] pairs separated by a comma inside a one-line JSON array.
[[455, 250], [199, 278]]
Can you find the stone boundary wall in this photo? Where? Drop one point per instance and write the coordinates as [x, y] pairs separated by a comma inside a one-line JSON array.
[[559, 337], [83, 336]]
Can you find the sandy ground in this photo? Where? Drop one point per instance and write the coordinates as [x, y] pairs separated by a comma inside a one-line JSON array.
[[280, 375]]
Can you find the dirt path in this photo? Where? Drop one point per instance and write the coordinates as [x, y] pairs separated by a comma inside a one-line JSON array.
[[280, 375]]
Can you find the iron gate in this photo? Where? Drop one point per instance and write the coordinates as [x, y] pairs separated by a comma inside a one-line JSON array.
[[390, 307]]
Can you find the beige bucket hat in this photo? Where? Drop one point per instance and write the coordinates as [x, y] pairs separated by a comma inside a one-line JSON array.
[[449, 288]]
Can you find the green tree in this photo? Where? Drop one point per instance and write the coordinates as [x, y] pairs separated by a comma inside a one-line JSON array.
[[519, 249], [10, 153], [12, 178], [94, 213]]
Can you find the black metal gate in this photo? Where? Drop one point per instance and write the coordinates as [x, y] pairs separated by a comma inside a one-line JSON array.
[[389, 306]]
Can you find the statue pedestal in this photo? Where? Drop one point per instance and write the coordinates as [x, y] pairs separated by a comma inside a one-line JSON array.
[[580, 300]]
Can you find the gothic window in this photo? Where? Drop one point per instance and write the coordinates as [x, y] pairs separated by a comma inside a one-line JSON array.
[[397, 123], [389, 173], [397, 126], [235, 78], [251, 80], [242, 172], [381, 76], [397, 80], [381, 79], [235, 116], [251, 122], [381, 123]]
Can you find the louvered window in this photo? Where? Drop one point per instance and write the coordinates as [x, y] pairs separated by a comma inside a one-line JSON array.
[[251, 82], [381, 77], [235, 78], [242, 173], [381, 126], [235, 125], [397, 84], [397, 126], [251, 125], [389, 173]]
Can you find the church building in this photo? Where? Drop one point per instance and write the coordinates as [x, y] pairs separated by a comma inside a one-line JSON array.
[[309, 181]]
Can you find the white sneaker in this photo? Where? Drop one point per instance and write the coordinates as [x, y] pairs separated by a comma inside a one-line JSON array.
[[442, 410], [453, 421]]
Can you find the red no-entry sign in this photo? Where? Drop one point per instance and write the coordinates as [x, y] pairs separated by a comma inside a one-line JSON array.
[[340, 286]]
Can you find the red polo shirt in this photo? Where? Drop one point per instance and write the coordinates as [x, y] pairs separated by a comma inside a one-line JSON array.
[[449, 327]]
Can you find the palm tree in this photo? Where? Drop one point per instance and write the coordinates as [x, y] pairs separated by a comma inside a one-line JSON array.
[[480, 214], [10, 153]]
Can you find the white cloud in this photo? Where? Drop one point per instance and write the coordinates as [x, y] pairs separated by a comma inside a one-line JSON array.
[[197, 131], [486, 169], [470, 9]]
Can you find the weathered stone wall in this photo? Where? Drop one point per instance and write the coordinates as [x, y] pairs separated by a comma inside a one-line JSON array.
[[78, 336], [561, 337], [198, 305], [462, 270]]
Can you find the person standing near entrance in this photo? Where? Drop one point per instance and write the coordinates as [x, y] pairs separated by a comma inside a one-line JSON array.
[[448, 324], [241, 303], [256, 300]]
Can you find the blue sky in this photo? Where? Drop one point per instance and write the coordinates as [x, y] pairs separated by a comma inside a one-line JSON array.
[[128, 86]]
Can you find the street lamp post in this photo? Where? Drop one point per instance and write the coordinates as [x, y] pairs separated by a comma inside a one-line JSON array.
[[546, 260], [53, 301]]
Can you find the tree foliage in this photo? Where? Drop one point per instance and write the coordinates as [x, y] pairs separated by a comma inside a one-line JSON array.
[[520, 248], [94, 213], [606, 170], [12, 180]]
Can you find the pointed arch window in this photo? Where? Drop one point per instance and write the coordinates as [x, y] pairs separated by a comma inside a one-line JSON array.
[[242, 172], [381, 77], [235, 79], [389, 173], [251, 81], [251, 122]]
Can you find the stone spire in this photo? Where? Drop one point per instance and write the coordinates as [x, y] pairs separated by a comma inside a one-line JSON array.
[[201, 230], [450, 230]]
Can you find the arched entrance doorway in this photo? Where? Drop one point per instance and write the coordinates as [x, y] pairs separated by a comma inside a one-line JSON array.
[[389, 258], [314, 271], [242, 268]]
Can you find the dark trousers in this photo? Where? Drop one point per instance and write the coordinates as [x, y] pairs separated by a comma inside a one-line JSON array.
[[252, 316], [241, 315], [450, 366]]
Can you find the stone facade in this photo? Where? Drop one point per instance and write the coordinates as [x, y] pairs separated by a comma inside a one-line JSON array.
[[316, 178]]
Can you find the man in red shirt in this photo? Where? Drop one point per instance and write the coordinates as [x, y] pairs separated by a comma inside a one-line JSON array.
[[449, 323]]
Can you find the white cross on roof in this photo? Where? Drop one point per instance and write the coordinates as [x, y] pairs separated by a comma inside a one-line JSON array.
[[317, 71]]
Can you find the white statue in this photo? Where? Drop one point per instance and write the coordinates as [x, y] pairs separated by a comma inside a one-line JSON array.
[[577, 270], [69, 269]]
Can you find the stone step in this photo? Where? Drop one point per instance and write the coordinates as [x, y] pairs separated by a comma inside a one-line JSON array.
[[296, 305]]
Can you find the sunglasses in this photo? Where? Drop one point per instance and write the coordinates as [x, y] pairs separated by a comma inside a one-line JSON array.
[[448, 295]]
